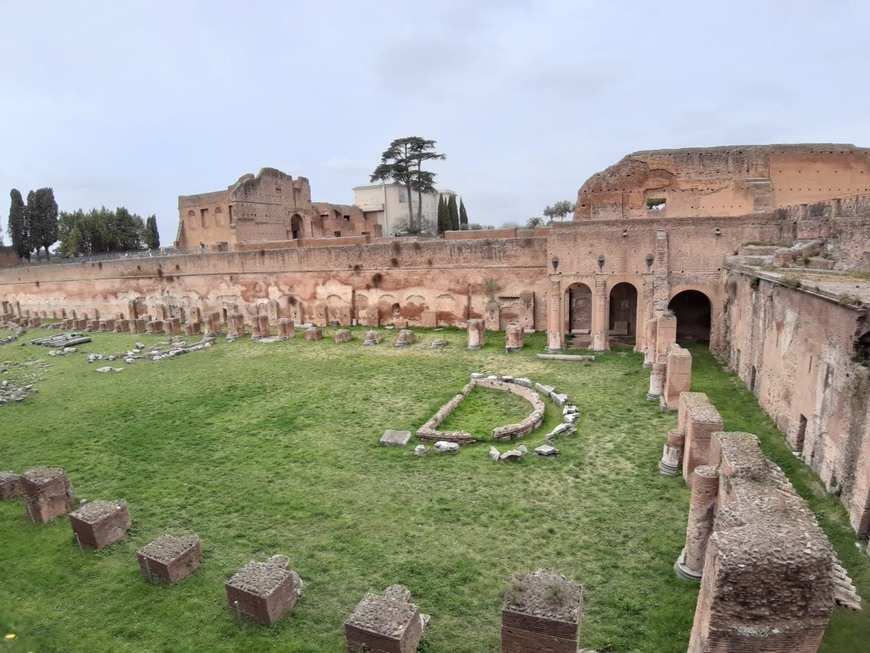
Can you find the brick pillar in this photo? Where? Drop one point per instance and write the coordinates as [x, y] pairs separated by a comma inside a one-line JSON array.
[[599, 316], [555, 321], [476, 334], [672, 456], [678, 377], [649, 353], [263, 321], [702, 511]]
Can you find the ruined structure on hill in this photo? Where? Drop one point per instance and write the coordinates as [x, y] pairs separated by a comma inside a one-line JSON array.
[[758, 249]]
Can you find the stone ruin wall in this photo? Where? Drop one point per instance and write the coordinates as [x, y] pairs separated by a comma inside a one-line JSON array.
[[720, 181], [844, 224], [425, 283], [795, 350]]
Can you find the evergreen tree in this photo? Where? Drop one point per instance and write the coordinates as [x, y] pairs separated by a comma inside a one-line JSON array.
[[17, 225], [152, 236], [30, 221], [43, 219], [454, 213], [463, 216], [443, 217]]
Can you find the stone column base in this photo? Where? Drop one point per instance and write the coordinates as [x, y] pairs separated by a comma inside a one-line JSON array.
[[684, 572]]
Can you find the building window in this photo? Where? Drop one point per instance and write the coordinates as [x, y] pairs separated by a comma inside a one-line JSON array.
[[337, 234], [656, 204]]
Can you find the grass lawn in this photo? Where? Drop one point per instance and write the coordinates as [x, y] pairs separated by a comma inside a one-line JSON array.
[[264, 449]]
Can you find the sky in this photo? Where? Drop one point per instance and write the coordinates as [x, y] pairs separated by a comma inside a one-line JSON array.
[[135, 103]]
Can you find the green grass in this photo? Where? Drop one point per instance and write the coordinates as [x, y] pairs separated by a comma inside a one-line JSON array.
[[273, 449]]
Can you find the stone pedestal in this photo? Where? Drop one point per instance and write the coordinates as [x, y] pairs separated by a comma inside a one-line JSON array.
[[313, 334], [263, 591], [262, 322], [10, 485], [342, 335], [122, 326], [476, 334], [554, 341], [541, 612], [99, 523], [48, 493], [137, 325], [387, 623], [286, 327], [672, 456], [656, 381], [372, 338], [514, 337], [698, 419], [702, 511], [170, 558]]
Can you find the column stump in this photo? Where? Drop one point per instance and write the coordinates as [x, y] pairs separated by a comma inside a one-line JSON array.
[[100, 523], [170, 558]]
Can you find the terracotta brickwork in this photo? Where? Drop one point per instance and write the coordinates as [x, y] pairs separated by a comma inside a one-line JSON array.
[[698, 420]]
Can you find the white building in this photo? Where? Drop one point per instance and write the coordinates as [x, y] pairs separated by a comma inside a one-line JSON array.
[[388, 203]]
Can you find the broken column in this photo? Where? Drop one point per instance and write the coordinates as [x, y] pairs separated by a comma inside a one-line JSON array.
[[48, 493], [255, 328], [476, 334], [702, 509], [672, 456], [405, 338], [541, 612], [122, 326], [264, 591], [170, 558], [372, 338], [385, 623], [514, 337], [666, 335], [698, 419], [678, 377], [263, 323], [100, 523], [342, 335]]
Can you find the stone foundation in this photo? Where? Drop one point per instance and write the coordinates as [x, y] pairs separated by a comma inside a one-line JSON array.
[[387, 623], [48, 493], [170, 559], [100, 523], [313, 334], [541, 612], [263, 591]]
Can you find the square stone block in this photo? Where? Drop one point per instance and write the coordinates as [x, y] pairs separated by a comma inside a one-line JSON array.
[[100, 523], [48, 493], [10, 485], [541, 612], [392, 438], [263, 591], [387, 623], [170, 558]]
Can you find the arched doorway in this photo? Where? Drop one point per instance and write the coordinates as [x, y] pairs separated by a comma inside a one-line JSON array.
[[622, 321], [296, 227], [578, 316], [862, 349], [692, 308]]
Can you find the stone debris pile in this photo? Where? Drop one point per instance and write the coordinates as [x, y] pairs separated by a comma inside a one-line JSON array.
[[385, 623]]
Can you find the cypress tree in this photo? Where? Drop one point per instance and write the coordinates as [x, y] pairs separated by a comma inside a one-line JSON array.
[[17, 225], [152, 236], [453, 210], [463, 216], [443, 218]]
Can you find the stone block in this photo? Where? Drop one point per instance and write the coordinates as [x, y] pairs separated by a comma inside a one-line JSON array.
[[48, 493], [476, 333], [544, 389], [313, 334], [372, 338], [100, 523], [541, 612], [559, 398], [264, 591], [392, 438], [514, 335], [405, 338], [342, 335], [170, 558], [10, 485], [387, 623]]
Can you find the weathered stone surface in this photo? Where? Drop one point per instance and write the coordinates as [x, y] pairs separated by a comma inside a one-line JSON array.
[[392, 438], [541, 612], [559, 398], [405, 338], [421, 450], [386, 623], [342, 335], [511, 454], [698, 420], [494, 453], [372, 338], [169, 558], [546, 450], [48, 493], [563, 429], [313, 334], [545, 390], [10, 485], [100, 523], [264, 591], [514, 337], [476, 333]]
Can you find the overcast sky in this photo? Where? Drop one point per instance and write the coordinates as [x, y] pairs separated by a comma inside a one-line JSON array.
[[134, 103]]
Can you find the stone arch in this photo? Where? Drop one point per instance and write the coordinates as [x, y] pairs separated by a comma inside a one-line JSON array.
[[445, 309], [693, 309], [333, 307], [296, 227], [388, 307], [578, 309], [622, 312]]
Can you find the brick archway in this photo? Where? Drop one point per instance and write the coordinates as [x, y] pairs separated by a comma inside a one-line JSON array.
[[693, 309]]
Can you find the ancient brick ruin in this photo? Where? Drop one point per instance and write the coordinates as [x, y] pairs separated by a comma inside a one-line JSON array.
[[170, 559], [48, 493], [264, 591], [100, 523], [541, 612], [385, 623]]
